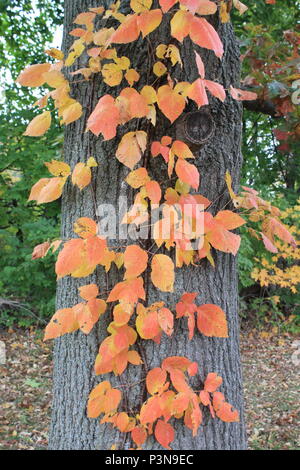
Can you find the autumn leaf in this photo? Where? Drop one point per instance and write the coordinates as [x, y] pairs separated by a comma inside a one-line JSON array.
[[127, 32], [131, 148], [148, 21], [170, 102], [105, 118], [138, 178], [39, 125], [212, 382], [164, 433], [89, 291], [187, 173], [63, 321], [165, 320], [156, 380], [223, 409], [139, 435], [81, 175], [57, 168], [135, 261], [47, 189], [129, 291], [85, 227], [204, 35], [33, 76], [162, 274], [211, 321], [242, 95]]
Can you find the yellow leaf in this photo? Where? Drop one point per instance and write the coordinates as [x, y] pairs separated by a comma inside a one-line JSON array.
[[91, 162], [57, 168], [132, 76], [39, 125], [112, 74], [54, 78], [72, 112], [81, 175], [162, 274], [55, 53], [159, 69], [140, 5]]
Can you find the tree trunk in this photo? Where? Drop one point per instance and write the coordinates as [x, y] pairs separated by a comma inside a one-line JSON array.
[[75, 353]]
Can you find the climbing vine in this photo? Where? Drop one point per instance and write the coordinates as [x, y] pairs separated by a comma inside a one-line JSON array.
[[190, 232]]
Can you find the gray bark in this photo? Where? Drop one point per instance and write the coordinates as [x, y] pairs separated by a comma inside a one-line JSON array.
[[75, 353]]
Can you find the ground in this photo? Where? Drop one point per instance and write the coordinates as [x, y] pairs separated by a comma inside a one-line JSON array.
[[271, 381]]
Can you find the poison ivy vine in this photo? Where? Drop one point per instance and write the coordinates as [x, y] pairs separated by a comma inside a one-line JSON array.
[[170, 394]]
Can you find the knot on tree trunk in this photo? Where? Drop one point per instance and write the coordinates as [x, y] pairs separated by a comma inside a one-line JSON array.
[[195, 128]]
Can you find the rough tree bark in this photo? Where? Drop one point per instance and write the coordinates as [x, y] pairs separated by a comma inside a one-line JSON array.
[[75, 353]]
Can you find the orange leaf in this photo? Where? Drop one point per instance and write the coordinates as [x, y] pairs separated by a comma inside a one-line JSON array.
[[206, 7], [85, 227], [165, 320], [212, 382], [39, 125], [71, 113], [167, 4], [70, 257], [47, 190], [147, 325], [164, 433], [155, 381], [122, 421], [170, 102], [187, 173], [81, 175], [128, 31], [153, 191], [162, 274], [57, 168], [223, 240], [129, 291], [176, 362], [132, 76], [135, 261], [105, 118], [223, 409], [139, 435], [242, 95], [180, 149], [197, 93], [211, 321], [33, 75], [148, 21], [135, 104], [138, 178], [229, 220], [204, 35], [150, 410], [216, 89], [131, 148], [89, 291], [63, 321]]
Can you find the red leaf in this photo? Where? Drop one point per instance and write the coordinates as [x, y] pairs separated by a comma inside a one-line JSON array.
[[164, 433]]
